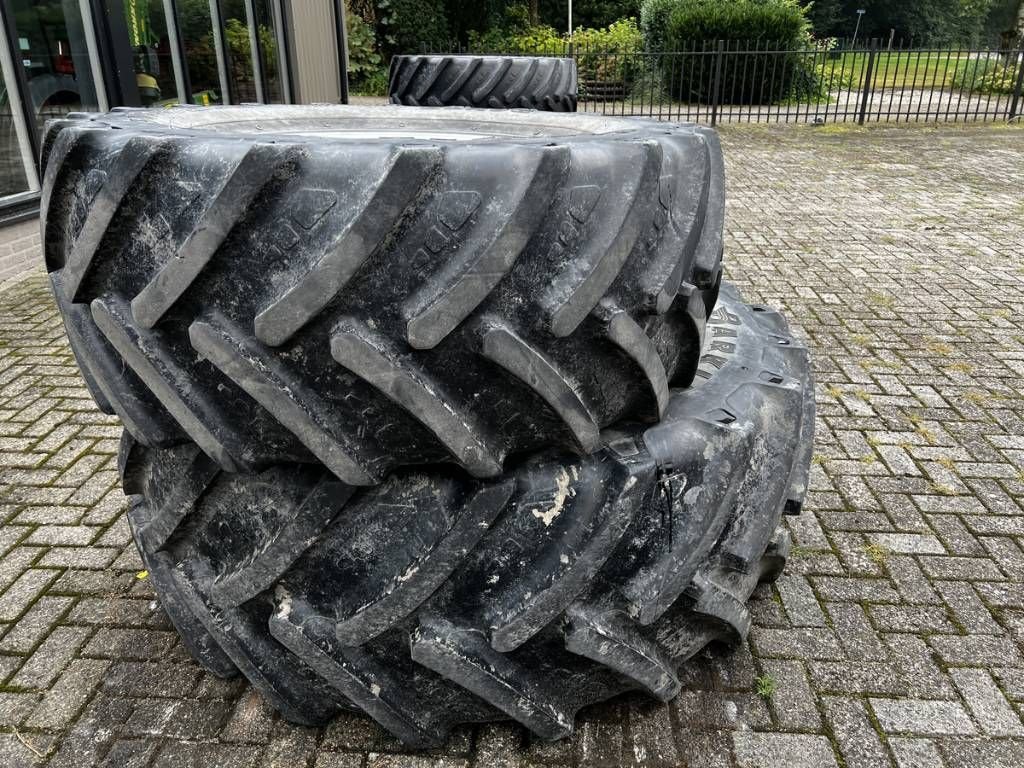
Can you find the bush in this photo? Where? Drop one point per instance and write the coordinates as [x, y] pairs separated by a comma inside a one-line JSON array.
[[602, 55], [781, 22], [654, 17], [373, 83], [608, 55], [406, 26], [363, 58], [777, 25], [987, 76]]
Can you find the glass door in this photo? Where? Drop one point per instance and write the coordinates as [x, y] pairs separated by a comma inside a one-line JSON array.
[[151, 56]]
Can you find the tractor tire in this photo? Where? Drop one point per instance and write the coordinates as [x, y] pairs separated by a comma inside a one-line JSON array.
[[284, 285], [435, 598], [488, 82]]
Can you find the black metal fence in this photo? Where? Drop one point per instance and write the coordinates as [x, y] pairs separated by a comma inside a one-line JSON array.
[[736, 81]]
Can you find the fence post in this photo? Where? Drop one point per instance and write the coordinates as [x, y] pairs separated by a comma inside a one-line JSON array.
[[1020, 84], [869, 71], [716, 86]]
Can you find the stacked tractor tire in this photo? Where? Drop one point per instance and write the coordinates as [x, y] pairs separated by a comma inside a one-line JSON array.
[[443, 415]]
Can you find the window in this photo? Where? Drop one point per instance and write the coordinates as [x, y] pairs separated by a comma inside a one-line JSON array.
[[151, 52], [53, 53], [196, 29], [47, 45], [13, 153], [265, 23], [241, 79]]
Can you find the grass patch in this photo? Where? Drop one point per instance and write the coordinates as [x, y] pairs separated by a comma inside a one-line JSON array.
[[965, 368], [893, 70], [876, 552], [765, 686], [880, 299]]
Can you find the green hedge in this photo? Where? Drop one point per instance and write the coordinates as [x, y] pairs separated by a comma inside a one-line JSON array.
[[777, 25], [779, 21]]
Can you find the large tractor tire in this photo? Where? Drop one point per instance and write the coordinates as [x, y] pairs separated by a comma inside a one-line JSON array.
[[375, 288], [488, 82], [435, 598]]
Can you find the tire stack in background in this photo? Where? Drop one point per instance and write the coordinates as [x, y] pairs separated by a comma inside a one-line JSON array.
[[441, 415]]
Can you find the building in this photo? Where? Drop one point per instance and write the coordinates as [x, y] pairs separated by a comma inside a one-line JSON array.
[[60, 56]]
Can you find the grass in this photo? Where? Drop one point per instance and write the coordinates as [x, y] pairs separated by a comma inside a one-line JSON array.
[[876, 552], [765, 686], [893, 70]]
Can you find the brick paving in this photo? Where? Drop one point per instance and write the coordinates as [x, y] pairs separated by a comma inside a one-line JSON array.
[[895, 636]]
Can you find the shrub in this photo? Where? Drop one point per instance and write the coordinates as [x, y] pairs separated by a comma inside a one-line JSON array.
[[363, 58], [602, 55], [782, 22], [610, 54], [987, 76], [406, 26], [697, 25], [654, 17], [372, 83]]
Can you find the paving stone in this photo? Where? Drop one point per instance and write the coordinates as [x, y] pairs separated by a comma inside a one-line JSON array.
[[913, 585], [184, 754], [856, 633], [858, 743], [295, 748], [354, 760], [922, 717], [915, 753], [967, 607], [976, 650], [983, 752], [798, 642], [50, 658], [991, 711], [15, 707], [707, 749], [176, 718], [35, 625], [911, 618], [145, 679], [251, 720], [800, 602], [650, 739], [908, 543], [857, 677], [499, 745], [15, 754], [62, 702], [782, 750], [138, 644], [896, 589], [599, 743], [24, 591], [793, 701], [130, 753]]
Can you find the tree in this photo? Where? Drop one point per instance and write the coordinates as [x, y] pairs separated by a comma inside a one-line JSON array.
[[824, 15], [925, 22], [594, 14], [1005, 23]]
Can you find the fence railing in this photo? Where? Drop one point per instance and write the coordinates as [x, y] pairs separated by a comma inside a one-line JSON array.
[[736, 81]]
